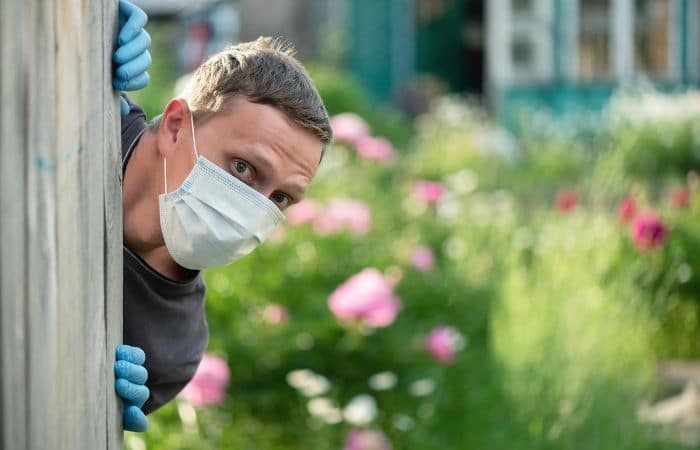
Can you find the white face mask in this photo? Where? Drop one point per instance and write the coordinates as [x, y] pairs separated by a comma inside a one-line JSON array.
[[213, 218]]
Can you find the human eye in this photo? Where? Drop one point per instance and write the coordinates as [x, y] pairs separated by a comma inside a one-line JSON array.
[[243, 171], [281, 199]]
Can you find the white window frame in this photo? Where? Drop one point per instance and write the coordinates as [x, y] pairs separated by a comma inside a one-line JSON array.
[[693, 40], [503, 27]]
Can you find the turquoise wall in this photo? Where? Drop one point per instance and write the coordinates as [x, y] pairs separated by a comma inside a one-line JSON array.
[[381, 43]]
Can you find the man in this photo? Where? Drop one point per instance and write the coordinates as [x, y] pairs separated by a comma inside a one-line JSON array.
[[204, 184]]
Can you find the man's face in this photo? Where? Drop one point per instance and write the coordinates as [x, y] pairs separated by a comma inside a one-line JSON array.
[[257, 144]]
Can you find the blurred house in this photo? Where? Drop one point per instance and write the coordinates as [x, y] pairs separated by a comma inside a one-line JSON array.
[[560, 55], [569, 55]]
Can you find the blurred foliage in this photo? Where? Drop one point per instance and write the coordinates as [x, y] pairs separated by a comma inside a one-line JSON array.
[[341, 92], [565, 318]]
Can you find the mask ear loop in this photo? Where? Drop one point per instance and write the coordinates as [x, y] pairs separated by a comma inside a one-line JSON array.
[[194, 141], [165, 175], [194, 146]]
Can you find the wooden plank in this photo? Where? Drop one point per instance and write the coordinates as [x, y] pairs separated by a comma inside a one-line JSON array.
[[42, 277], [13, 409], [113, 225], [60, 226]]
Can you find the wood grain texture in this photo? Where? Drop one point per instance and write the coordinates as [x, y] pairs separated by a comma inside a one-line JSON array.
[[113, 246], [60, 226], [13, 161]]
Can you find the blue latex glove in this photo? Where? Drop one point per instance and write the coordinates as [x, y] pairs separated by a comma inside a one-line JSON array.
[[132, 58], [130, 379]]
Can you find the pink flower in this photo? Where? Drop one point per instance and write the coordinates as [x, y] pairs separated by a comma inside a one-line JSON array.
[[275, 314], [349, 128], [566, 200], [679, 197], [428, 191], [627, 210], [359, 439], [443, 342], [367, 297], [277, 235], [375, 148], [423, 258], [648, 231], [303, 212], [341, 214], [209, 383]]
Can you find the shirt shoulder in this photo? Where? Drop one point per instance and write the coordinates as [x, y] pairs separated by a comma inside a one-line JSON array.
[[133, 125]]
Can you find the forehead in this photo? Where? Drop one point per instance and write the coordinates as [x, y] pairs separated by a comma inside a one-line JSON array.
[[266, 127]]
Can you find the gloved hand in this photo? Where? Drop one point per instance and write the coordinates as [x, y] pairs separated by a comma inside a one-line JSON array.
[[131, 59], [130, 378]]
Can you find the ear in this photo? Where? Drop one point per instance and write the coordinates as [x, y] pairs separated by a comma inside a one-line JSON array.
[[174, 127]]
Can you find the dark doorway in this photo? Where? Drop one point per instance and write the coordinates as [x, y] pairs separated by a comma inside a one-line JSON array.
[[450, 42]]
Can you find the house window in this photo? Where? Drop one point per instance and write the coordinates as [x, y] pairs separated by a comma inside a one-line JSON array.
[[522, 53], [522, 7], [652, 37], [594, 53], [693, 41]]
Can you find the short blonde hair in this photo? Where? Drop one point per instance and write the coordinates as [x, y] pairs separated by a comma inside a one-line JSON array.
[[263, 71]]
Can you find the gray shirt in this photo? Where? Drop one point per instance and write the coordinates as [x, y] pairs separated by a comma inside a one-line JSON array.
[[164, 317]]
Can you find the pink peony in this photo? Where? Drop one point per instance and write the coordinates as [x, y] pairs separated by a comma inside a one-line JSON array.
[[679, 197], [277, 235], [349, 128], [275, 314], [648, 231], [303, 212], [627, 210], [375, 148], [423, 258], [209, 383], [341, 214], [428, 191], [367, 297], [566, 200], [359, 439], [443, 342]]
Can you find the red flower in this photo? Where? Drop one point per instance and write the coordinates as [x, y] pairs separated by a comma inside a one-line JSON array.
[[648, 231], [627, 210], [566, 200], [679, 197]]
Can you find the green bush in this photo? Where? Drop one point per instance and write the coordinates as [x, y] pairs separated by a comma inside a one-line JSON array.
[[341, 92]]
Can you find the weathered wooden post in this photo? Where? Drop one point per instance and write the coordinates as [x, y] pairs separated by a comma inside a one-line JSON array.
[[60, 226]]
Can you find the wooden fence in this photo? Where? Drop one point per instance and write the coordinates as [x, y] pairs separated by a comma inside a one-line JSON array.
[[60, 226]]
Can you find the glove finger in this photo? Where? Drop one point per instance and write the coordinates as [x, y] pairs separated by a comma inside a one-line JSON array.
[[133, 394], [130, 372], [134, 68], [132, 48], [134, 419], [134, 84], [136, 20], [132, 354], [124, 107]]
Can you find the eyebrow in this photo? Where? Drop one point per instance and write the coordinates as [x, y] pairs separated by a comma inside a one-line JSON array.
[[259, 160]]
